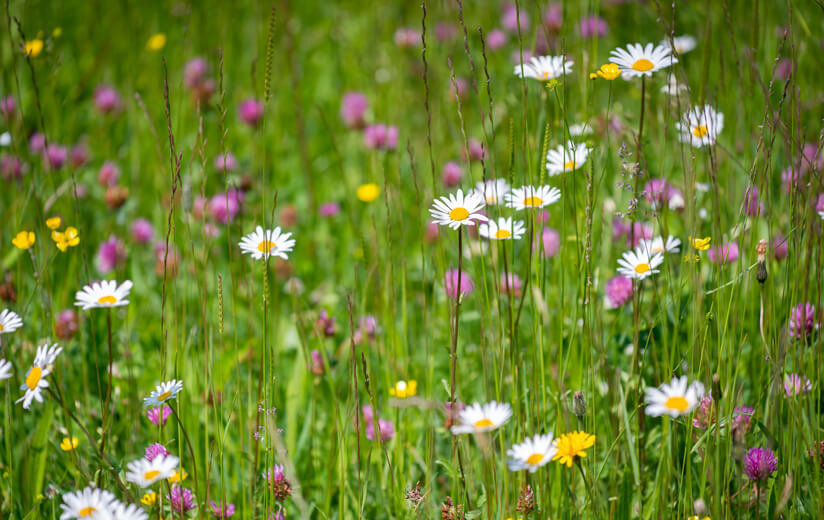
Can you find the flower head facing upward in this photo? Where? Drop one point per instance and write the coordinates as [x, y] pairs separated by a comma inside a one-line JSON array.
[[164, 392], [9, 321], [103, 294], [144, 472], [530, 197], [156, 42], [532, 453], [545, 68], [368, 192], [263, 244], [639, 264], [479, 418], [65, 239], [23, 240], [91, 503], [572, 446], [701, 244], [700, 126], [457, 210], [675, 398], [637, 60], [404, 389], [566, 158], [68, 444], [760, 464], [504, 228]]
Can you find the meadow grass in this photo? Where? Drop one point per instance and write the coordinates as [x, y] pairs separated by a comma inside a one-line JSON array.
[[279, 356]]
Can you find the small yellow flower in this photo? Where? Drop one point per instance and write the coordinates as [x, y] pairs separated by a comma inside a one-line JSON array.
[[54, 222], [572, 445], [34, 47], [57, 32], [695, 517], [68, 444], [149, 498], [608, 71], [404, 389], [156, 42], [701, 244], [179, 476], [23, 240], [368, 192], [65, 239]]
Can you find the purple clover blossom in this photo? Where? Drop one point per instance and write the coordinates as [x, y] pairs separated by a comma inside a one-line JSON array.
[[384, 429], [56, 156], [329, 209], [467, 285], [353, 107], [704, 413], [741, 418], [181, 499], [752, 206], [723, 254], [251, 112], [107, 99], [795, 384], [511, 284], [380, 137], [760, 464], [222, 509], [593, 26], [159, 415], [155, 450], [224, 206], [802, 320], [142, 231], [551, 241], [619, 291], [111, 255]]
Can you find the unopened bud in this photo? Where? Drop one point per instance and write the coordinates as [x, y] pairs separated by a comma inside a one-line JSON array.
[[761, 250], [761, 268], [579, 404], [716, 386], [700, 507]]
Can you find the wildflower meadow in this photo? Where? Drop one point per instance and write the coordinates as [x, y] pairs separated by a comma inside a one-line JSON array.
[[448, 259]]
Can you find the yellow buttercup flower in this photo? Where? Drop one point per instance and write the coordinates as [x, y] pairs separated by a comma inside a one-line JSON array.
[[571, 446], [608, 71], [23, 240], [68, 444], [702, 244], [179, 476], [149, 498], [54, 222], [156, 42], [34, 47], [404, 389], [368, 192], [65, 239], [696, 517]]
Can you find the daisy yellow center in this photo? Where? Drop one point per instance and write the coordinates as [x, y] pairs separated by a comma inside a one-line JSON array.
[[107, 300], [87, 511], [459, 214], [533, 201], [265, 246], [700, 131], [570, 165], [33, 379], [642, 268], [151, 475], [484, 423], [643, 65], [677, 403], [502, 233], [535, 458], [1, 326], [491, 199], [164, 396]]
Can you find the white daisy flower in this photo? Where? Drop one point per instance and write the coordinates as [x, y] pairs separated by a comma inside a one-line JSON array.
[[674, 399], [5, 369], [676, 201], [502, 229], [579, 129], [821, 214], [164, 392], [492, 191], [479, 418], [700, 126], [36, 376], [263, 244], [46, 355], [566, 159], [458, 210], [121, 511], [144, 473], [637, 60], [103, 294], [545, 68], [530, 197], [9, 321], [532, 453], [5, 139], [681, 44], [657, 245], [638, 264], [88, 504], [673, 87]]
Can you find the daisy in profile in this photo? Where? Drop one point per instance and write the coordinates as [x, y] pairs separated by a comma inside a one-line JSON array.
[[144, 472], [263, 244], [579, 129], [674, 399], [103, 294], [479, 418], [457, 210], [91, 503], [532, 453], [700, 126], [503, 229], [681, 44], [9, 321], [492, 191], [673, 87], [657, 245], [566, 158], [121, 511], [638, 264], [545, 68], [637, 60], [5, 369], [572, 446], [164, 392], [36, 376], [530, 197]]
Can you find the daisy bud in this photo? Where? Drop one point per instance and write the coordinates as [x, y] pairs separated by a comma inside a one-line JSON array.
[[579, 405], [700, 508], [761, 270]]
